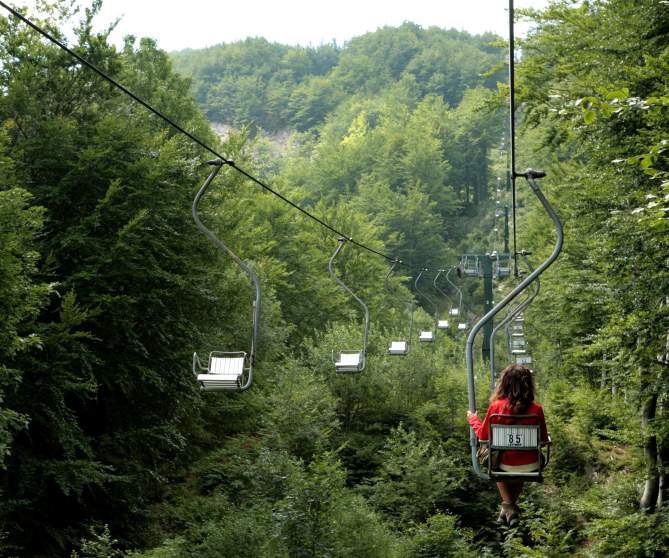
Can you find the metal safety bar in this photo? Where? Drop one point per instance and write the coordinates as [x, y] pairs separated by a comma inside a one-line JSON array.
[[531, 176]]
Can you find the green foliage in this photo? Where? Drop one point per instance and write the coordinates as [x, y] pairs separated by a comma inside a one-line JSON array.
[[417, 478], [317, 517], [273, 87], [99, 545], [636, 534], [439, 537]]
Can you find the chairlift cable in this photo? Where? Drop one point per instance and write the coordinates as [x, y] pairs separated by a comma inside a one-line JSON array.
[[512, 128]]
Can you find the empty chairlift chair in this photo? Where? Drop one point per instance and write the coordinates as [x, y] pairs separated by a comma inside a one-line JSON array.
[[503, 265], [454, 310], [226, 370], [524, 359], [425, 336], [441, 323], [470, 266], [349, 361], [518, 345], [400, 347]]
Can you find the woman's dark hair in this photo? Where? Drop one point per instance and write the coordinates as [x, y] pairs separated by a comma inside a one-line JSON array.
[[517, 385]]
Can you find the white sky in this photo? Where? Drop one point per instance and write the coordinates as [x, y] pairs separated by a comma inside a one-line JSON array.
[[178, 24]]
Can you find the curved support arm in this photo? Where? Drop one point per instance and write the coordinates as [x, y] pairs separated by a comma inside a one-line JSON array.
[[456, 288], [530, 175], [342, 241], [510, 316], [218, 164]]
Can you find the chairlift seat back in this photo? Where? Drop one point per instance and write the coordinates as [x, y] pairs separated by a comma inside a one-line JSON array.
[[462, 326], [523, 359], [443, 324], [454, 311], [506, 433]]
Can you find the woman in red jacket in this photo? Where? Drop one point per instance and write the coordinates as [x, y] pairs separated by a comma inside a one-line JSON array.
[[514, 396]]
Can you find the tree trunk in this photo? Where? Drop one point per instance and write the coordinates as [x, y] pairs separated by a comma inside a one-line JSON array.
[[663, 455], [652, 487]]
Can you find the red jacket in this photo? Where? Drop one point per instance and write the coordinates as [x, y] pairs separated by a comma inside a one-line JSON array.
[[500, 406]]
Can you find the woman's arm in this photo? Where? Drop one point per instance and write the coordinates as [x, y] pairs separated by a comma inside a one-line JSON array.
[[480, 428]]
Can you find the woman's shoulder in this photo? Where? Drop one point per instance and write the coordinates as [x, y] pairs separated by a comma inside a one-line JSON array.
[[498, 404], [535, 407]]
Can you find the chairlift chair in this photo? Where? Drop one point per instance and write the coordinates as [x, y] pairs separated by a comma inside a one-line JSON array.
[[462, 326], [507, 434], [503, 265], [400, 347], [454, 310], [470, 265], [226, 370], [524, 359], [349, 360], [518, 346], [425, 336], [442, 324]]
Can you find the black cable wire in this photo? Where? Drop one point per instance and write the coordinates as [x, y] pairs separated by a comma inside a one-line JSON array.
[[512, 129], [198, 141]]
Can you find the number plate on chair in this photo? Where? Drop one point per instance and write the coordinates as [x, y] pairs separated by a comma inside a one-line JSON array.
[[514, 436]]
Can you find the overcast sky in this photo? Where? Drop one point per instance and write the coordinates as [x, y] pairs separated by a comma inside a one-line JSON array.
[[178, 24]]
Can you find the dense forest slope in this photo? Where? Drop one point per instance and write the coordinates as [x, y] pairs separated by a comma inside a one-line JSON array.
[[272, 86], [107, 446]]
